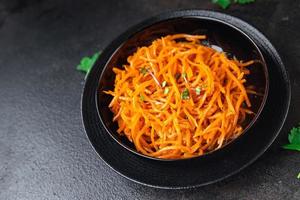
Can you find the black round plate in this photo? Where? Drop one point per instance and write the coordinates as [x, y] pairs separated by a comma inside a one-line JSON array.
[[204, 170]]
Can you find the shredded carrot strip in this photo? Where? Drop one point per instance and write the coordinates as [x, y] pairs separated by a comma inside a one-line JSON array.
[[178, 99]]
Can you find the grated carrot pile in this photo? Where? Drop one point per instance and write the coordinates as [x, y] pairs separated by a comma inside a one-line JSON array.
[[178, 98]]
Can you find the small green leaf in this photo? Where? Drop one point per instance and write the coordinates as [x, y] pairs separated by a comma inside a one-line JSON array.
[[294, 139], [295, 147], [294, 136], [185, 94], [164, 83], [198, 90], [87, 63], [166, 91], [226, 3], [223, 3], [184, 75], [244, 1], [142, 98], [143, 70]]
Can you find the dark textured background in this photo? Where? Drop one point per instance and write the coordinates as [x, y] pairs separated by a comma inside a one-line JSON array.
[[44, 153]]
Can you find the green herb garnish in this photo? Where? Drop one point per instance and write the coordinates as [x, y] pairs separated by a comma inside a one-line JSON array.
[[184, 75], [143, 70], [87, 63], [166, 91], [294, 139], [223, 3], [205, 43], [164, 83], [244, 1], [198, 90], [142, 98], [185, 94], [226, 3]]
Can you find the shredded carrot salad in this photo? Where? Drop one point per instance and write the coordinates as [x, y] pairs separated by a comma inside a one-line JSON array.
[[178, 98]]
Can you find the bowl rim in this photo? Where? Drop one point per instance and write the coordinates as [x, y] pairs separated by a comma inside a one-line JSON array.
[[131, 32]]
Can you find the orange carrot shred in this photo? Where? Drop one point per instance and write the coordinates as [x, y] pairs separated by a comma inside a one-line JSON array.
[[177, 98]]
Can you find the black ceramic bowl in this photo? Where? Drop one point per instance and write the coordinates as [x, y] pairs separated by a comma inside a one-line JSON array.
[[219, 33], [213, 167]]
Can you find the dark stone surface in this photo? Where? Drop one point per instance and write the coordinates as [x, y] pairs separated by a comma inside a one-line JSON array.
[[44, 153]]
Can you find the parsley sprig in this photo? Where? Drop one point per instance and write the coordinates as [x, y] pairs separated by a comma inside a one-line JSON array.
[[294, 139], [87, 63], [226, 3]]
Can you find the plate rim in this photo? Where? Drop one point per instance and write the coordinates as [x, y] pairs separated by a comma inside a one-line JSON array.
[[247, 128], [215, 16]]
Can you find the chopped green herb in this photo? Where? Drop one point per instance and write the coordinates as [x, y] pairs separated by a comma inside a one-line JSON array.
[[177, 76], [244, 1], [294, 139], [142, 98], [166, 91], [223, 3], [185, 94], [87, 63], [226, 3], [198, 90], [143, 70], [298, 177], [184, 75], [205, 42], [164, 83]]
